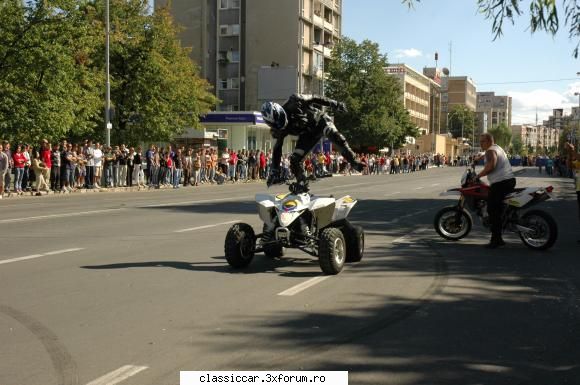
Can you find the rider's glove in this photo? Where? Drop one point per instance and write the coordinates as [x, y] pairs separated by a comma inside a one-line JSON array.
[[274, 178]]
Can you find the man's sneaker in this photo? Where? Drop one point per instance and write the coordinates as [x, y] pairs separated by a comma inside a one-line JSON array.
[[495, 243]]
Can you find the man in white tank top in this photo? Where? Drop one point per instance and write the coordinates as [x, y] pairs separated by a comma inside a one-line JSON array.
[[502, 182]]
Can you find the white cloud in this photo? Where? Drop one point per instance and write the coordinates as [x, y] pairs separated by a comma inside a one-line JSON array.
[[410, 52], [524, 104]]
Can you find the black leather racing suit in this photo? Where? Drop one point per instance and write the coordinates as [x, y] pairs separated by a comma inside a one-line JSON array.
[[307, 121]]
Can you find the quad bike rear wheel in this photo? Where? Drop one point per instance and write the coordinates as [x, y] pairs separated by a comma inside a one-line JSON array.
[[354, 236]]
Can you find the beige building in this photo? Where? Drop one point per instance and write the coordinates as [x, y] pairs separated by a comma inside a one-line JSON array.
[[258, 50], [456, 91], [437, 144], [416, 94], [539, 138], [497, 108]]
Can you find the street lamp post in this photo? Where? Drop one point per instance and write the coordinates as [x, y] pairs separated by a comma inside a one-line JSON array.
[[108, 124], [573, 136], [324, 45]]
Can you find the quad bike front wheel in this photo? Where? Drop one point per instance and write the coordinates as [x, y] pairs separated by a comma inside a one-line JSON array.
[[239, 245], [331, 251], [452, 223], [544, 230]]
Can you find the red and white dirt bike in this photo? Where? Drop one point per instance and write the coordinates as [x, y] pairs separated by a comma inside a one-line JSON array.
[[536, 228]]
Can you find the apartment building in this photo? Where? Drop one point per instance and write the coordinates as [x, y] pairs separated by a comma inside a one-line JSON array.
[[258, 50], [557, 120], [497, 108], [416, 94], [538, 138], [455, 91]]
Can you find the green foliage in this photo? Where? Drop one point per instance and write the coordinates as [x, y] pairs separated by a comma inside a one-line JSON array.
[[45, 71], [52, 72], [502, 135], [156, 91], [517, 147], [461, 121], [376, 115], [543, 15]]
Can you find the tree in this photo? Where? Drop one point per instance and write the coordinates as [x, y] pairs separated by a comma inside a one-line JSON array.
[[517, 146], [502, 135], [156, 91], [47, 87], [543, 15], [461, 121], [376, 115]]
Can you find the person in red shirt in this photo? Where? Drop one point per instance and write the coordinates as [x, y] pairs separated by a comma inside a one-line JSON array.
[[45, 158], [19, 163], [262, 165], [232, 163]]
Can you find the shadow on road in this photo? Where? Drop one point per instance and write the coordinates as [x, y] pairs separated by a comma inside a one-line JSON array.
[[510, 316]]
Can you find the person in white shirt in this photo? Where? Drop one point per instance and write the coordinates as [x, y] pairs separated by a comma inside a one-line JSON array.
[[501, 182], [98, 159], [89, 153]]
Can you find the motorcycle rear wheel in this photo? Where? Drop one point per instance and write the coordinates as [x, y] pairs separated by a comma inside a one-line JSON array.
[[545, 230], [446, 225]]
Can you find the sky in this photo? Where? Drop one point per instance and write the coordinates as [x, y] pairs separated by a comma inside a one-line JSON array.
[[519, 63]]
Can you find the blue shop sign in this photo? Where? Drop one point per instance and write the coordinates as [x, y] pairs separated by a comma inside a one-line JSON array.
[[254, 118]]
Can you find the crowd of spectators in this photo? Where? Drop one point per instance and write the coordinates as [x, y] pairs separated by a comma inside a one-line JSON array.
[[66, 167]]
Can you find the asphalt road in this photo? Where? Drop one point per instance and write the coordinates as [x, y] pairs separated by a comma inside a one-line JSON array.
[[131, 288]]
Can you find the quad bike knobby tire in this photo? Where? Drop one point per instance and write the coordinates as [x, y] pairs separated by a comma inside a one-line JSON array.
[[239, 245], [354, 236], [331, 251]]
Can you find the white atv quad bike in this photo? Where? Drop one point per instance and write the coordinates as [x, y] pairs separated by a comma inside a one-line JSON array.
[[314, 224]]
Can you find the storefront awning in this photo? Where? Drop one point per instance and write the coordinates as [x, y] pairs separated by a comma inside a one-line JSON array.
[[250, 117]]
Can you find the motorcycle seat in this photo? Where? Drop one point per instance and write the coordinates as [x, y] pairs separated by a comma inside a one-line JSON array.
[[515, 192]]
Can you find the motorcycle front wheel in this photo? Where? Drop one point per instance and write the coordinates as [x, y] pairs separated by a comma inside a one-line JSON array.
[[544, 230], [452, 223]]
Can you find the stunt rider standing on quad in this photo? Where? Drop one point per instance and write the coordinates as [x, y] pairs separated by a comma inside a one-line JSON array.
[[302, 116]]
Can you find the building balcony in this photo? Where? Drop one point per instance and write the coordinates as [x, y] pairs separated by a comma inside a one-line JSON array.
[[317, 20]]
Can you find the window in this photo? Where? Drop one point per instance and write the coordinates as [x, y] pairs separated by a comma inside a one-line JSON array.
[[234, 83], [223, 4], [231, 29], [223, 84], [234, 3], [235, 56]]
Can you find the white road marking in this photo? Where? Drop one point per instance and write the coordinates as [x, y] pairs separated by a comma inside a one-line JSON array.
[[419, 188], [394, 193], [435, 184], [404, 238], [57, 215], [205, 227], [303, 286], [34, 256], [118, 375]]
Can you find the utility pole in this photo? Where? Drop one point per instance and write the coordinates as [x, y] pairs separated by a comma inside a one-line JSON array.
[[108, 124]]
